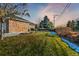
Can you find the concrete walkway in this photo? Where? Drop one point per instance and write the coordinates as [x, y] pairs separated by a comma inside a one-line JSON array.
[[10, 34]]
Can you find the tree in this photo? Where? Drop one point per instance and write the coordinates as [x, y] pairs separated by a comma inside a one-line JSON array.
[[50, 25], [46, 24], [71, 24], [77, 25], [8, 9], [41, 24]]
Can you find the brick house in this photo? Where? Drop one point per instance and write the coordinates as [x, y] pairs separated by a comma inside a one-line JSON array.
[[16, 24]]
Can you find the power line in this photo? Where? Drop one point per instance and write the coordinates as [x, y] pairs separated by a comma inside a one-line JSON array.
[[65, 8], [63, 11]]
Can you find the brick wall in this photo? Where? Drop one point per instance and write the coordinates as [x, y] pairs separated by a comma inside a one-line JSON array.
[[18, 26]]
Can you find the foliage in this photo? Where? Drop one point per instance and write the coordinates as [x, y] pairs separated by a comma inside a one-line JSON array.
[[38, 43], [50, 25], [7, 9], [31, 44], [71, 24], [57, 47], [77, 25], [46, 24]]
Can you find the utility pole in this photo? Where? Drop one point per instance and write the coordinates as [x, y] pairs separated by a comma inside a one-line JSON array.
[[54, 18], [66, 7]]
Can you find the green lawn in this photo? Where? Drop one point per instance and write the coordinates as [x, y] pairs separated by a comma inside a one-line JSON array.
[[38, 43]]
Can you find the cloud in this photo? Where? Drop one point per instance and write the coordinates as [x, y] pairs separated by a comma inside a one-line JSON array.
[[55, 9], [50, 10]]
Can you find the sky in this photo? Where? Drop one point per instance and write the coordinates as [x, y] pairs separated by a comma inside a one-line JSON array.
[[39, 10]]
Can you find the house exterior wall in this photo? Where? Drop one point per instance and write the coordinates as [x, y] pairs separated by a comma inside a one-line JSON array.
[[32, 26], [18, 26], [4, 27]]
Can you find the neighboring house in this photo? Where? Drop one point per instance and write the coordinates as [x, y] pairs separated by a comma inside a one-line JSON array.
[[16, 24]]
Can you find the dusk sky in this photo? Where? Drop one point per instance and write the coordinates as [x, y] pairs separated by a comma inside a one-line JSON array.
[[39, 10]]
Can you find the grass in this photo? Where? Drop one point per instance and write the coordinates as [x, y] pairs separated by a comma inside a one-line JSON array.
[[58, 48], [35, 44]]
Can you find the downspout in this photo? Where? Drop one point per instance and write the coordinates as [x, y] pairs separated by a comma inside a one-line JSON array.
[[1, 28]]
